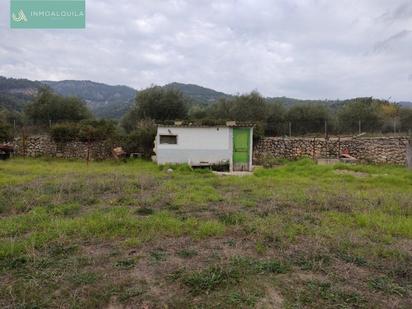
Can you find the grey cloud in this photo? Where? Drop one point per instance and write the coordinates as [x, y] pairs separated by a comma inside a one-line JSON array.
[[402, 11], [307, 49], [382, 45]]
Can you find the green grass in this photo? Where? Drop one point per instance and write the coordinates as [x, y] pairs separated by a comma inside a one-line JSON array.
[[239, 268], [131, 234]]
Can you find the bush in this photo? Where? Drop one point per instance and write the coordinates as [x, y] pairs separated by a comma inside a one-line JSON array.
[[158, 103], [65, 132], [258, 131], [96, 130], [5, 129], [48, 106], [85, 131], [141, 139], [5, 133], [267, 160]]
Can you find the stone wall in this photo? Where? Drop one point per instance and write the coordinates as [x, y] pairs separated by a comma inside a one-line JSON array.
[[390, 150], [43, 145]]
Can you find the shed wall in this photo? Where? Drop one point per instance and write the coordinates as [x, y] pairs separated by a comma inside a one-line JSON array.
[[195, 145]]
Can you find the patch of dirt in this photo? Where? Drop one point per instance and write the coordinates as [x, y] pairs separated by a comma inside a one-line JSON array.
[[310, 276], [158, 273], [273, 299], [350, 273], [351, 173], [405, 245], [238, 174]]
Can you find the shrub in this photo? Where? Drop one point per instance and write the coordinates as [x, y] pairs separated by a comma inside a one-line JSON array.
[[268, 160], [86, 131], [65, 132], [5, 133], [96, 130], [48, 106], [142, 139]]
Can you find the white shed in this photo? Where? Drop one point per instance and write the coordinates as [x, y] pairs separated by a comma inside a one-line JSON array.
[[205, 145]]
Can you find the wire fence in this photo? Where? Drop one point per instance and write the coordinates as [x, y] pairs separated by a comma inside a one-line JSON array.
[[318, 129], [326, 129]]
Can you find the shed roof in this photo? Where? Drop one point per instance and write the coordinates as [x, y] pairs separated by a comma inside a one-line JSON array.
[[230, 124]]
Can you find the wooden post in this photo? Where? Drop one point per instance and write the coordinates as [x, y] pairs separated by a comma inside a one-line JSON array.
[[88, 151], [338, 152], [394, 126], [313, 149], [23, 141]]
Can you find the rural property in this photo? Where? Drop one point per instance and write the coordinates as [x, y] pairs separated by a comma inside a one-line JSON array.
[[133, 234]]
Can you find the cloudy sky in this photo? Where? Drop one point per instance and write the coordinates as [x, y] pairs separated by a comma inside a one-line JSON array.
[[296, 48]]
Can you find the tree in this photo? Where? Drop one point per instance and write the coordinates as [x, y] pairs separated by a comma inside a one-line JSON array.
[[276, 121], [156, 103], [390, 113], [64, 132], [48, 106], [248, 107], [85, 131], [406, 119], [222, 109], [5, 129], [91, 130], [366, 111], [141, 139], [308, 118]]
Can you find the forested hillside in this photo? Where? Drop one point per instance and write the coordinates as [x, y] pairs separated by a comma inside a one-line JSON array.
[[105, 101], [16, 93], [275, 116]]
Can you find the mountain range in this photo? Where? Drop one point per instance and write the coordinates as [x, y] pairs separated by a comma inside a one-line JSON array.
[[104, 100], [107, 101]]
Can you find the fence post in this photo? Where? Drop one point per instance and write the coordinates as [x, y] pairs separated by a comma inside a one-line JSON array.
[[409, 152], [394, 126], [290, 129]]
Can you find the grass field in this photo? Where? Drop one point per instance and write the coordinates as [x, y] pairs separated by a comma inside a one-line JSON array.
[[132, 235]]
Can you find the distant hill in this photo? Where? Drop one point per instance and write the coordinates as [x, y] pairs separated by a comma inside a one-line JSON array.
[[113, 101], [104, 100], [16, 93], [108, 101], [197, 93], [405, 104]]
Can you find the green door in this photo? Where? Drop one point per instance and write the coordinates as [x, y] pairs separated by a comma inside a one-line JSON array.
[[241, 144]]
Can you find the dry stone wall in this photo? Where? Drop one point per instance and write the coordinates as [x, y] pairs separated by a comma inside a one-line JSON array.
[[389, 150], [43, 145]]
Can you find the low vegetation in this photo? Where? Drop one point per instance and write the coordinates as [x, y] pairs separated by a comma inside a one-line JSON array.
[[132, 234]]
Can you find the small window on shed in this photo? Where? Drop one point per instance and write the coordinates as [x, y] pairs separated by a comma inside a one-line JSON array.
[[168, 139]]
